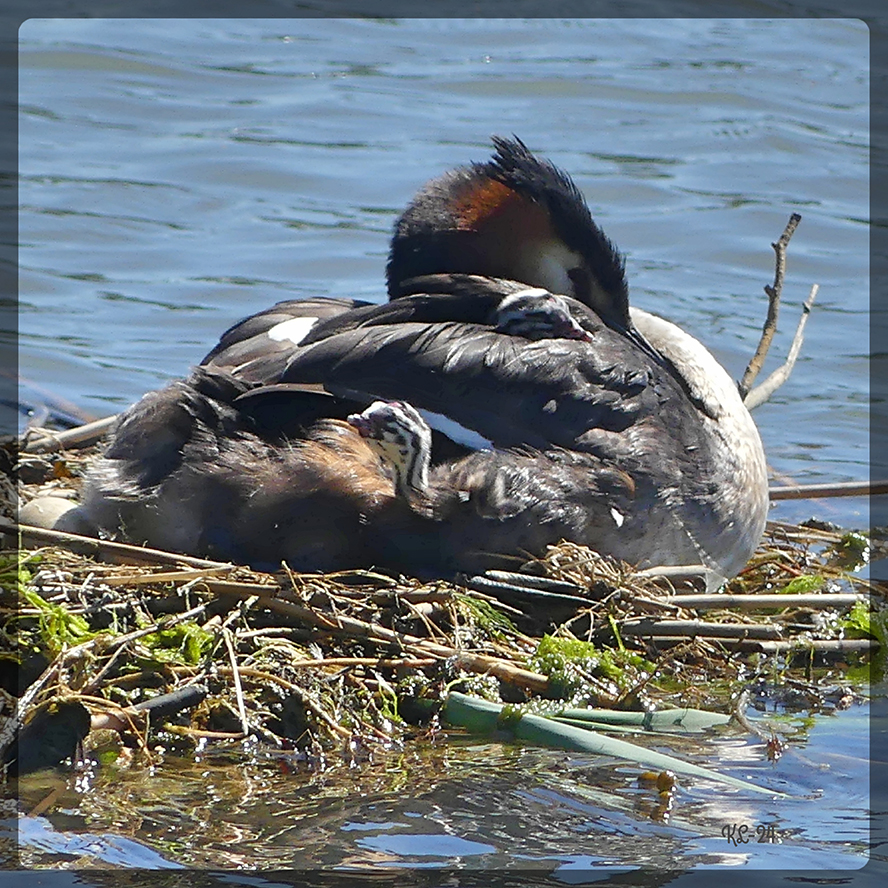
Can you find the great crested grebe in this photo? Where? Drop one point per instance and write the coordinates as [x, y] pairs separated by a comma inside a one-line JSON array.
[[641, 435]]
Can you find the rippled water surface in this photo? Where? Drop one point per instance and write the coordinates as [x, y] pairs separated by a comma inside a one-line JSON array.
[[177, 175], [471, 804]]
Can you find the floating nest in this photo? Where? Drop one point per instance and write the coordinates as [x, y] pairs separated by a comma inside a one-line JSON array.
[[126, 649]]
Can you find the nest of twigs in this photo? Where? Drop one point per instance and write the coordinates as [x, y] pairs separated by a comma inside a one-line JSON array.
[[154, 646]]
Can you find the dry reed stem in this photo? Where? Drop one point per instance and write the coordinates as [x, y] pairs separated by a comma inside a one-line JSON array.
[[47, 441], [106, 550], [200, 734], [376, 662], [235, 675], [764, 602], [174, 576], [818, 491]]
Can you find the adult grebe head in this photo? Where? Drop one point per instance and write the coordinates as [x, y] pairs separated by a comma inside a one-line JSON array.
[[519, 217], [515, 216]]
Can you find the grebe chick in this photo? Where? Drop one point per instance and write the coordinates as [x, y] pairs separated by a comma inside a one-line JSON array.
[[490, 509]]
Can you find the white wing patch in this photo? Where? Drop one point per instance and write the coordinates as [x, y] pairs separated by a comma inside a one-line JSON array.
[[618, 518], [295, 329], [457, 433]]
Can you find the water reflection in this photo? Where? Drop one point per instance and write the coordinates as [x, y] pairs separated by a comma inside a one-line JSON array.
[[459, 804]]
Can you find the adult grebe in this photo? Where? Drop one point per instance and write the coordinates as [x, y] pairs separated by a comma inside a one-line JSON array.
[[643, 396], [649, 432]]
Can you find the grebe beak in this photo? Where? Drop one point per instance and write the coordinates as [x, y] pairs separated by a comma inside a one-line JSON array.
[[644, 346]]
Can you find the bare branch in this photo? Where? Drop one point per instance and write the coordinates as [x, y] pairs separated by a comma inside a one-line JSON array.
[[103, 550], [773, 291], [745, 602], [840, 488], [47, 441], [762, 392]]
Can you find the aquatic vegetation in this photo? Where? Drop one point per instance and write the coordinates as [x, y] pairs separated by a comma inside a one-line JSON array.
[[573, 665]]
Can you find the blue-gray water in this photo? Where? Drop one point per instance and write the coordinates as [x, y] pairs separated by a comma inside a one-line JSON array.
[[177, 175]]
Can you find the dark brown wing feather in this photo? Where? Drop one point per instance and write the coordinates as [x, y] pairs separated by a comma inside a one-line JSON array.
[[248, 338]]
